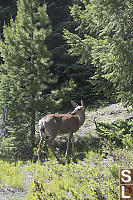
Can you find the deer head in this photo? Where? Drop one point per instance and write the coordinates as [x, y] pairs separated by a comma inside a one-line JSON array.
[[78, 109]]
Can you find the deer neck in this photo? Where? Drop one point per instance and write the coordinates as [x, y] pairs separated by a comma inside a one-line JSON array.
[[81, 119]]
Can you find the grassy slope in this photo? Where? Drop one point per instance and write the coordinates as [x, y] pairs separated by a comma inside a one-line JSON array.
[[91, 174]]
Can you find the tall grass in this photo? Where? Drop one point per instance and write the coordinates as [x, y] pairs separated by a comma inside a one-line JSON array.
[[11, 176], [94, 178]]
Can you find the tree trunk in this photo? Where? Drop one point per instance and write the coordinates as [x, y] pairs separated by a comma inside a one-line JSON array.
[[32, 136]]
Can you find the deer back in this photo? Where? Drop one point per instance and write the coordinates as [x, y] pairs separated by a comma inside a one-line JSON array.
[[59, 123]]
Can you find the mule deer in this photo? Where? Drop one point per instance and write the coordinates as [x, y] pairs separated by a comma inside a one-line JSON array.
[[58, 124]]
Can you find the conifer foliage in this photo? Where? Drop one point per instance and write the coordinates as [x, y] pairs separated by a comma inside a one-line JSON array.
[[25, 75], [106, 40]]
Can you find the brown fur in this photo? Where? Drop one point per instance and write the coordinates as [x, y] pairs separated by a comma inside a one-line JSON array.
[[58, 124]]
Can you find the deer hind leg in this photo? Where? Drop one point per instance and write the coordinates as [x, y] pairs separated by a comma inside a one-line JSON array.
[[51, 142], [68, 143], [42, 135]]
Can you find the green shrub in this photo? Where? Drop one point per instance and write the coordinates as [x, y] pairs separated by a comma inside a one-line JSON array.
[[120, 133], [128, 141], [11, 176], [85, 180]]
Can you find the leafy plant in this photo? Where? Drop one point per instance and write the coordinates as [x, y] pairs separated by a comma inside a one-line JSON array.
[[119, 133], [11, 176], [128, 141], [74, 181]]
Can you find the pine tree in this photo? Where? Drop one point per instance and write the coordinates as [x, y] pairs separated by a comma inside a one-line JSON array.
[[25, 74], [65, 66], [7, 9], [105, 40]]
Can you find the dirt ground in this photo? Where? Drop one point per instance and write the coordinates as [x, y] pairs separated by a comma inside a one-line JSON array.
[[108, 114]]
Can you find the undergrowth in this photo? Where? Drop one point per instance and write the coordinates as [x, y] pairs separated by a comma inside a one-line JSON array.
[[95, 176], [85, 180], [11, 176], [118, 133]]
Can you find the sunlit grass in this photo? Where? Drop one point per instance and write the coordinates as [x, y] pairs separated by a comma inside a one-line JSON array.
[[11, 175], [94, 177]]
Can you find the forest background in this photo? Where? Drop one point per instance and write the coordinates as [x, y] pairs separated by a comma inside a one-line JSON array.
[[55, 51]]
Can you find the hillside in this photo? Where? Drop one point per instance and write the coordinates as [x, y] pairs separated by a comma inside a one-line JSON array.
[[109, 114], [87, 133]]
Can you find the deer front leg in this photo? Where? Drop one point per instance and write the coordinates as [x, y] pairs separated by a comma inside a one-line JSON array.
[[73, 150], [68, 143]]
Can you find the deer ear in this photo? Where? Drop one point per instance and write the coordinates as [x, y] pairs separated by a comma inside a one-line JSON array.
[[74, 104], [82, 103]]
